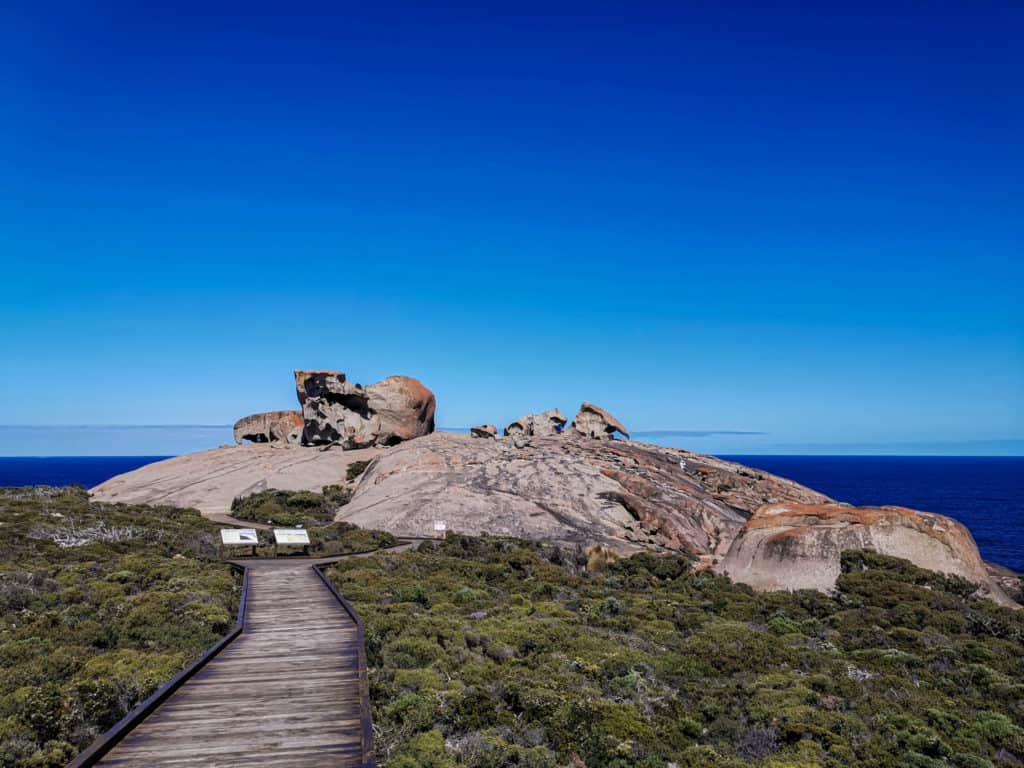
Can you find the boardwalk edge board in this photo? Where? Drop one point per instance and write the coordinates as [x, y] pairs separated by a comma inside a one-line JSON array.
[[107, 741], [364, 681]]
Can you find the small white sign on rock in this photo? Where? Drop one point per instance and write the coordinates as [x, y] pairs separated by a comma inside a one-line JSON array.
[[245, 537], [440, 525], [291, 536]]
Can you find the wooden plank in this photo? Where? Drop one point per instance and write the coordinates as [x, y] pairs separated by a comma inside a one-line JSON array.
[[286, 693]]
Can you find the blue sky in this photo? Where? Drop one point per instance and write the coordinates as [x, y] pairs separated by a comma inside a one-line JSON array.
[[771, 218]]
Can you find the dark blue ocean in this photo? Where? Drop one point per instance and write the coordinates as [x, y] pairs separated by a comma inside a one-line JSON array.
[[984, 493]]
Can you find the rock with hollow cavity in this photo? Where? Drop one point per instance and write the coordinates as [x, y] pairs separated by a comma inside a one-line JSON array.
[[270, 427], [537, 424], [337, 411], [595, 422], [798, 546], [483, 430]]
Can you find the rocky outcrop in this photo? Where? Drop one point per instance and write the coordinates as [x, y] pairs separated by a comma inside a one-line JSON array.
[[595, 422], [798, 546], [483, 430], [337, 411], [537, 424], [624, 495], [271, 427]]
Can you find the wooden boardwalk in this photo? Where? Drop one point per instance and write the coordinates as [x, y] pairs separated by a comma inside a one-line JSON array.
[[285, 693]]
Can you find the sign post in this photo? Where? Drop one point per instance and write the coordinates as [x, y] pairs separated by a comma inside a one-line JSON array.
[[441, 527], [291, 536], [240, 537]]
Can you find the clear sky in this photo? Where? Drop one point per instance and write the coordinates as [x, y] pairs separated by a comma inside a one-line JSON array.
[[805, 220]]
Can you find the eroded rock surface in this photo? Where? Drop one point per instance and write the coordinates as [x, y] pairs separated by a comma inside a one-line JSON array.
[[537, 424], [337, 411], [483, 430], [798, 546], [270, 427], [623, 494], [595, 422]]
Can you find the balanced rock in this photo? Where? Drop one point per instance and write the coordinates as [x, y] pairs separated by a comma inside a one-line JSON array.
[[536, 424], [595, 422], [484, 430], [270, 427], [798, 546], [337, 411], [404, 407]]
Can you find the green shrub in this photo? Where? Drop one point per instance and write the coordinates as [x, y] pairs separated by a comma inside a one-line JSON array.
[[487, 651], [89, 630]]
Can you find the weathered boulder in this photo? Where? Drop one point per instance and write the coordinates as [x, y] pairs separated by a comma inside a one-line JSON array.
[[537, 424], [270, 427], [404, 408], [625, 495], [337, 411], [595, 422], [483, 430], [798, 546]]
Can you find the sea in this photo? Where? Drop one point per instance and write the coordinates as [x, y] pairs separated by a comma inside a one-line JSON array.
[[984, 493]]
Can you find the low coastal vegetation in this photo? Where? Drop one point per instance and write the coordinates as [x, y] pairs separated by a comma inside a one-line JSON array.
[[100, 604], [489, 652], [315, 512]]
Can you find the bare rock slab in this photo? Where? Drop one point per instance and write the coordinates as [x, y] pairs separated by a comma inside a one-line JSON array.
[[628, 496], [210, 480]]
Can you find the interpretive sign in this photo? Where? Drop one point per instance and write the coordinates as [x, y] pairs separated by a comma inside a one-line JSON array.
[[440, 525], [244, 537], [291, 536]]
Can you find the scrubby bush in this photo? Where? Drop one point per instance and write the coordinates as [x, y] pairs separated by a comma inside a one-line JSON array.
[[287, 508], [315, 512], [92, 622], [492, 652]]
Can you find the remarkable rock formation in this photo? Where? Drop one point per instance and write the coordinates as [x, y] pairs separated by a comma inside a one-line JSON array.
[[271, 427], [798, 546], [595, 422], [484, 430], [625, 495], [338, 411], [537, 424]]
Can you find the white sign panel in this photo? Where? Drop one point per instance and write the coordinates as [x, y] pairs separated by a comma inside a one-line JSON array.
[[291, 536], [240, 536], [440, 525]]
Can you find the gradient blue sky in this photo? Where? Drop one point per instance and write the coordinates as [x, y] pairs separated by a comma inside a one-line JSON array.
[[805, 220]]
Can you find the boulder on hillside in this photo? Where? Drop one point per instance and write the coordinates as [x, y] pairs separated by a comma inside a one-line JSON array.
[[270, 427], [595, 422], [483, 430], [798, 546], [537, 424], [337, 411]]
